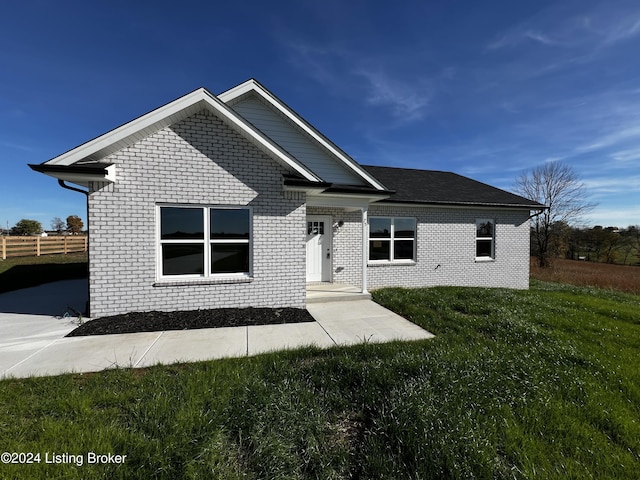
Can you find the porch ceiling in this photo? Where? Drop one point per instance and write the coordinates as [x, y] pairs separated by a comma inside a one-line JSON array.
[[348, 202]]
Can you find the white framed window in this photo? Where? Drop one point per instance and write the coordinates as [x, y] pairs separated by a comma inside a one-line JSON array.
[[392, 239], [485, 239], [203, 241]]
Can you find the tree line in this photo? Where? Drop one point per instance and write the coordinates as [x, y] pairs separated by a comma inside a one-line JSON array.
[[554, 233], [25, 226], [595, 244]]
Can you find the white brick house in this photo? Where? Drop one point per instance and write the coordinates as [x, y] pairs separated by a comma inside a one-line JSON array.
[[235, 201]]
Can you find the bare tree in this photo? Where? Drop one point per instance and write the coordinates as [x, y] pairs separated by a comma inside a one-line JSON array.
[[57, 224], [558, 186]]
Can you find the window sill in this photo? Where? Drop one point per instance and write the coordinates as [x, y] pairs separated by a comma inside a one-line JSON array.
[[390, 264], [485, 259], [203, 281]]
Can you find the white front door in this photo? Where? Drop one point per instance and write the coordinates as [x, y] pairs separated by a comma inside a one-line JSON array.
[[319, 248]]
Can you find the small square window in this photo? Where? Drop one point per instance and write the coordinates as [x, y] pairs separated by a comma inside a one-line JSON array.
[[182, 259], [379, 250], [380, 228], [229, 223], [229, 258], [181, 223]]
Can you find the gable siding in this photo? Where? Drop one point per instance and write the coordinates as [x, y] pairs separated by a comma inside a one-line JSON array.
[[295, 142], [445, 249], [198, 161]]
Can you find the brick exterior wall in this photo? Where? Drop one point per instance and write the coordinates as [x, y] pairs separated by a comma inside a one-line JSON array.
[[198, 161], [445, 248], [201, 161]]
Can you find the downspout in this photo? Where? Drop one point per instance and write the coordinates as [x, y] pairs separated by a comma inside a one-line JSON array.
[[538, 212], [87, 311]]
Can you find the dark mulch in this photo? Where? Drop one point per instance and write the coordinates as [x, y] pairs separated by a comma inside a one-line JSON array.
[[187, 320]]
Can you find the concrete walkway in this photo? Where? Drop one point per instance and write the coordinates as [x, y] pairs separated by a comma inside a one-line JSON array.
[[33, 345]]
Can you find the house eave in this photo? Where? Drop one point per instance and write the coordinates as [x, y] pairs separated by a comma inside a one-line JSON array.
[[483, 205], [342, 200], [170, 113], [329, 194], [79, 174]]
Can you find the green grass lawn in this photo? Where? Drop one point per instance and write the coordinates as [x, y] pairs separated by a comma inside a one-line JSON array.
[[517, 384], [23, 272]]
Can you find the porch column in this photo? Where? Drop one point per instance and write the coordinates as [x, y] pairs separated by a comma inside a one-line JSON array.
[[365, 250]]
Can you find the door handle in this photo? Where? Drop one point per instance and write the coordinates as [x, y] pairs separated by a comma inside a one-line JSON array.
[[328, 253]]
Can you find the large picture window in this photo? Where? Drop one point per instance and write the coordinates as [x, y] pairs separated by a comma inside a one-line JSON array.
[[485, 239], [392, 239], [204, 241]]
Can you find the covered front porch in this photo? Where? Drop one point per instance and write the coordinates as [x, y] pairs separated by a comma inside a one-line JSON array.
[[336, 236], [336, 251]]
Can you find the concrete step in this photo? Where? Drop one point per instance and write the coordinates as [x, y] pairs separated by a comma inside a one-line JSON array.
[[337, 297]]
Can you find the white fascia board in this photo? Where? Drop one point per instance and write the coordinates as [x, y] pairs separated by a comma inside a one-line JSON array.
[[84, 178], [155, 119], [341, 201], [252, 85], [238, 91], [456, 206], [307, 190], [260, 139], [171, 113]]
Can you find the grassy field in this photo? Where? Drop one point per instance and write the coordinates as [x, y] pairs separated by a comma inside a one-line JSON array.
[[517, 384], [623, 278], [23, 272]]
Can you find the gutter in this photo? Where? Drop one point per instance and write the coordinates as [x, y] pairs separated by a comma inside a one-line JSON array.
[[87, 310]]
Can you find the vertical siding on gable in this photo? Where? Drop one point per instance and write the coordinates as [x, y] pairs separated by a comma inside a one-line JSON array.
[[295, 142]]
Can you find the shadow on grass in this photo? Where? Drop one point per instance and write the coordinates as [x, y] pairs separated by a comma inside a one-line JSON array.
[[25, 276], [44, 289]]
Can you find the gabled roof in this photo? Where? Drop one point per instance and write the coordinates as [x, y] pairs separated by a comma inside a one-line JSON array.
[[444, 188], [175, 111], [252, 86], [87, 162]]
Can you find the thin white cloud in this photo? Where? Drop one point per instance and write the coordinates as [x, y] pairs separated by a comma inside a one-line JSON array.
[[606, 185], [617, 137], [626, 157], [408, 100], [313, 61], [16, 146], [406, 94], [578, 26], [517, 37], [541, 38], [619, 29]]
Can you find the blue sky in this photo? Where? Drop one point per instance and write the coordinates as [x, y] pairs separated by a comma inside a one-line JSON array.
[[484, 89]]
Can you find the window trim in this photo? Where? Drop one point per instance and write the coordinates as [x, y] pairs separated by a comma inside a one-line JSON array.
[[392, 239], [206, 241], [492, 256]]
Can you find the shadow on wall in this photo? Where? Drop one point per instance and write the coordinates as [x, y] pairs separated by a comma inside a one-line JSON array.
[[48, 299]]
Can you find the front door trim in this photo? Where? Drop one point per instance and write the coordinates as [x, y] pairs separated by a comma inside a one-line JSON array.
[[319, 249]]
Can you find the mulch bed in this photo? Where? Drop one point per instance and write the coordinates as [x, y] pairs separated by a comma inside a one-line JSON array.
[[188, 320]]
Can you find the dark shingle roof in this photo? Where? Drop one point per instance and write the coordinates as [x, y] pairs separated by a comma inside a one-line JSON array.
[[434, 187]]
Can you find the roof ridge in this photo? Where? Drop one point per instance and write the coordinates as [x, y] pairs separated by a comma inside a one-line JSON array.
[[413, 169]]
